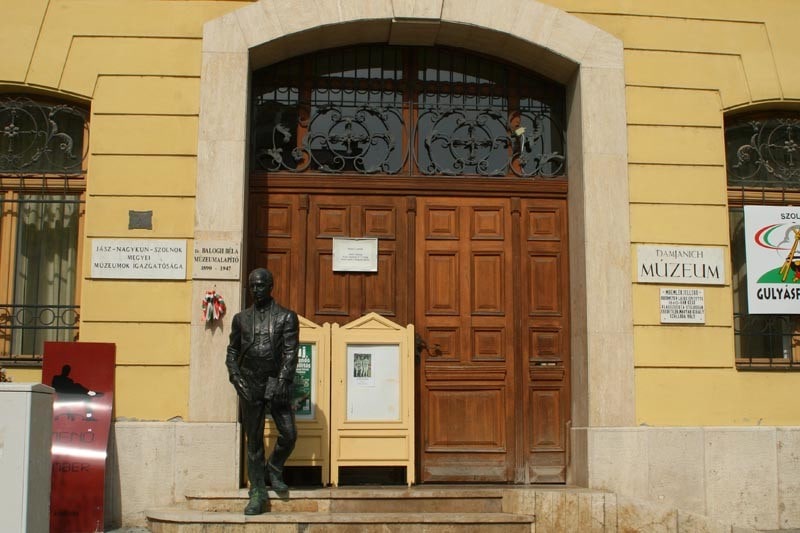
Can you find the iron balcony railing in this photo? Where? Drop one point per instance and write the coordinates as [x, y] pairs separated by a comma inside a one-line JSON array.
[[36, 324]]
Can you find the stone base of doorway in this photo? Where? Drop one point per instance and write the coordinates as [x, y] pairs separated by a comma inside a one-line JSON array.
[[430, 509]]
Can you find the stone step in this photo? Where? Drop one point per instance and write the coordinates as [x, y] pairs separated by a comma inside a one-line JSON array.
[[373, 500], [429, 509], [172, 520]]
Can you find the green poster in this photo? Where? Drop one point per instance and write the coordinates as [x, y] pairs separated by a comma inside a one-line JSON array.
[[303, 381]]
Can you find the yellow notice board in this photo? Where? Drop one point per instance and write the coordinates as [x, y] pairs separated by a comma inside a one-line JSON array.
[[311, 399], [372, 395]]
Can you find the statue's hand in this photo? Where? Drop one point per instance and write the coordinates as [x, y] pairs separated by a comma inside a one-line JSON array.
[[241, 387], [283, 393]]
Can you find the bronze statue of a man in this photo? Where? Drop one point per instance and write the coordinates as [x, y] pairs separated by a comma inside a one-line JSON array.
[[261, 361]]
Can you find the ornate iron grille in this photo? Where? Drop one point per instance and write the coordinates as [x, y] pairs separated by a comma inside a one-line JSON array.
[[764, 151], [39, 137], [406, 111]]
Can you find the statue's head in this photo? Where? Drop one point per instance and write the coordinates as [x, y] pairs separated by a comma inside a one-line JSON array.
[[260, 283]]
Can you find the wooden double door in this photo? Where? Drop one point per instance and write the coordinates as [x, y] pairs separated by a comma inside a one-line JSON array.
[[483, 279]]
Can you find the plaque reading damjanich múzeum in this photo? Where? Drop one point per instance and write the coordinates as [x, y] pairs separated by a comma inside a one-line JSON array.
[[139, 258], [693, 265]]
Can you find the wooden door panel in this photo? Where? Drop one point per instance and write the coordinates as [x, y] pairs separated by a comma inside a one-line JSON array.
[[380, 222], [332, 220], [274, 219], [464, 268], [545, 284], [547, 428], [489, 344], [545, 222], [545, 310], [441, 294], [488, 223], [341, 297], [441, 222], [380, 288], [488, 283], [279, 263], [546, 343], [444, 343], [466, 417], [276, 242], [331, 295]]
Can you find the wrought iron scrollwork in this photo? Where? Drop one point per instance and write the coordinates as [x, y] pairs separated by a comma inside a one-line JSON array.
[[36, 137], [485, 142], [769, 152], [406, 110], [458, 141], [447, 141], [339, 139], [539, 138]]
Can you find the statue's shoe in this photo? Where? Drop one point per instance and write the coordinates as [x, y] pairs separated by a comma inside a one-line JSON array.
[[258, 498], [276, 479]]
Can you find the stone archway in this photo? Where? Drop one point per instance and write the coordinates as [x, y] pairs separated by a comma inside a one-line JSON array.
[[538, 37]]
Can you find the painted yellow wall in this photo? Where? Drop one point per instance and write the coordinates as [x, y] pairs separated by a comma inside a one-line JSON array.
[[687, 62], [137, 64], [24, 375]]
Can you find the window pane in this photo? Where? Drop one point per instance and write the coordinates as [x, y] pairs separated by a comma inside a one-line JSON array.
[[45, 271]]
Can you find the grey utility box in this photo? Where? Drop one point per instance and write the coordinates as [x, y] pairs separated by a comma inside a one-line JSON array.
[[26, 436]]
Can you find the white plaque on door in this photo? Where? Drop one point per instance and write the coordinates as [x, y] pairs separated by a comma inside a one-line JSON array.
[[355, 255]]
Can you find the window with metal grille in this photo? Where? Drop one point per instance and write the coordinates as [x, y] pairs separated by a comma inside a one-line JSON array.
[[763, 169], [406, 111], [42, 180]]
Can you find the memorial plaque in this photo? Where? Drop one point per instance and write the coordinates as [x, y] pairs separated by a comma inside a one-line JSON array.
[[355, 255], [683, 306], [139, 258], [216, 260]]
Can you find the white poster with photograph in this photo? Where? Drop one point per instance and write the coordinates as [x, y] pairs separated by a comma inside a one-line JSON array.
[[373, 382], [772, 235]]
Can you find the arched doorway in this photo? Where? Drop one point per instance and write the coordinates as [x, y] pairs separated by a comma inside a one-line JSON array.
[[532, 34], [453, 167]]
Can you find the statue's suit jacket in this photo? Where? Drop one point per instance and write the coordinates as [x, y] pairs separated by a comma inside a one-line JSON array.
[[284, 329]]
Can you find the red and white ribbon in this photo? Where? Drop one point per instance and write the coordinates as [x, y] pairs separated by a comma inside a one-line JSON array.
[[213, 306]]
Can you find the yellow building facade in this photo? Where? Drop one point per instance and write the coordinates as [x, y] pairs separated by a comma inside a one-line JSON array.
[[659, 411]]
